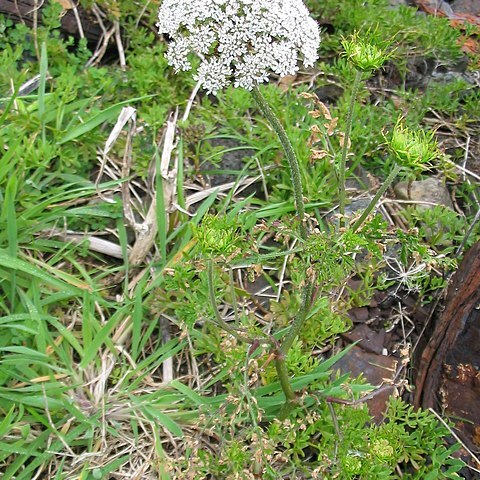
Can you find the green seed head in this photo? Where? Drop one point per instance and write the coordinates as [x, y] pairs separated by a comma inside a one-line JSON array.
[[413, 148], [365, 54], [352, 465], [382, 449], [217, 236]]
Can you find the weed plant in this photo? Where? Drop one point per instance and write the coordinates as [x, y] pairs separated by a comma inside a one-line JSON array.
[[84, 350]]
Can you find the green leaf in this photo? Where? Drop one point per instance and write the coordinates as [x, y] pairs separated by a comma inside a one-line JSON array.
[[188, 392], [25, 351], [165, 420], [103, 336], [107, 115], [5, 424], [20, 265]]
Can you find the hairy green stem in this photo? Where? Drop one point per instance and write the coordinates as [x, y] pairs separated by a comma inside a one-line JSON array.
[[218, 318], [343, 160], [300, 317], [376, 198], [290, 397], [307, 294], [290, 154], [282, 372], [281, 357]]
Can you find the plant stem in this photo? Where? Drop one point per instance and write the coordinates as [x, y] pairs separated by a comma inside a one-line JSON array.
[[376, 198], [343, 160], [290, 154], [300, 318], [218, 318], [282, 372], [280, 360]]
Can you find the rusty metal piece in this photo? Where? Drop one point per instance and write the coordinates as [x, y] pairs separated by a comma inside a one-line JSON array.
[[449, 369]]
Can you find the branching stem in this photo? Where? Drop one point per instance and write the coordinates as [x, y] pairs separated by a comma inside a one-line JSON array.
[[307, 294], [213, 301], [300, 317]]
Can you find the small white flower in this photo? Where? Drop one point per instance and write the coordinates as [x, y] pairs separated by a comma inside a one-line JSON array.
[[214, 74], [177, 55], [238, 41]]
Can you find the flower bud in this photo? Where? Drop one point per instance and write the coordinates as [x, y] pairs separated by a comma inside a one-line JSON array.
[[382, 450]]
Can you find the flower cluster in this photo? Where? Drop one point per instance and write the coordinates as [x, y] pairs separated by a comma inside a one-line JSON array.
[[238, 41]]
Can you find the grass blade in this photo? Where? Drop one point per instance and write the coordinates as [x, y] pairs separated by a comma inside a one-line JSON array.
[[107, 115]]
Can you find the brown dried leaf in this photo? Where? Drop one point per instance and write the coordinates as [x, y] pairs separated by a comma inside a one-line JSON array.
[[318, 154], [325, 110], [286, 82], [315, 113], [66, 4], [315, 135], [309, 96], [331, 126]]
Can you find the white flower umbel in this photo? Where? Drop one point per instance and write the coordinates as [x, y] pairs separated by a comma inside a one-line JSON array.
[[238, 41]]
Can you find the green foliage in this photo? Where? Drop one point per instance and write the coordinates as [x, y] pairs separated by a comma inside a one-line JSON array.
[[51, 335], [323, 325], [441, 227], [417, 261], [417, 35], [218, 236], [334, 255], [181, 290], [255, 134], [452, 96], [351, 447]]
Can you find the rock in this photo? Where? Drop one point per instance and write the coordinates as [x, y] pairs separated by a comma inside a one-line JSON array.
[[376, 313], [430, 190], [375, 369], [470, 7], [357, 206], [358, 314], [368, 339], [329, 93]]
